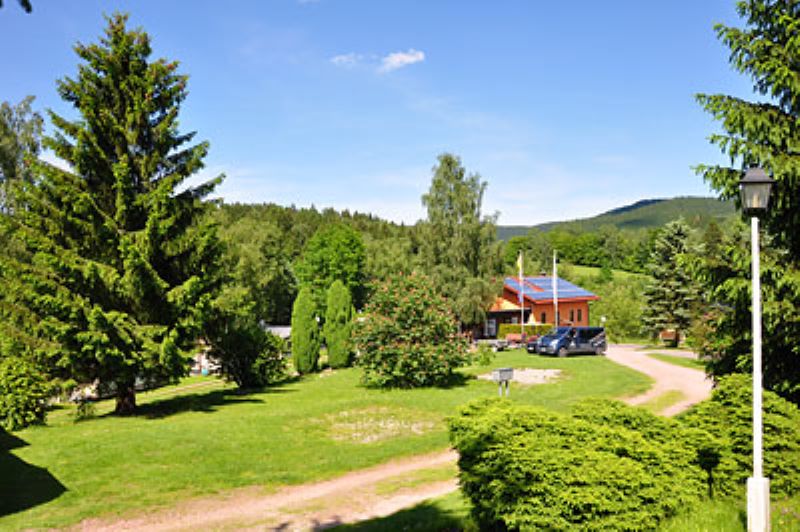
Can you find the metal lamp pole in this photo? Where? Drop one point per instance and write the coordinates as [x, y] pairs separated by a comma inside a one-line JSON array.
[[755, 188]]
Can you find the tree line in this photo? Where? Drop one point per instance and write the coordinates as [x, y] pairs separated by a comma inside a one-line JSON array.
[[114, 273]]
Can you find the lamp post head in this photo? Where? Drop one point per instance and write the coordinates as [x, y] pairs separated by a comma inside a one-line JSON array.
[[755, 188]]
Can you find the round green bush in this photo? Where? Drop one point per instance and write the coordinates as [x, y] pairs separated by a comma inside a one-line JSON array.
[[23, 394], [728, 416], [527, 468]]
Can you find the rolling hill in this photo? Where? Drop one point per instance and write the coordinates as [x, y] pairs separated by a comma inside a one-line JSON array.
[[644, 214]]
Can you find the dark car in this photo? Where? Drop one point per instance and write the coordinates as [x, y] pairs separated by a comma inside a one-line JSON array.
[[533, 345], [564, 341]]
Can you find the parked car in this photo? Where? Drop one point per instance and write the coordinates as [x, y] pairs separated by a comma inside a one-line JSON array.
[[564, 341], [533, 345], [495, 344]]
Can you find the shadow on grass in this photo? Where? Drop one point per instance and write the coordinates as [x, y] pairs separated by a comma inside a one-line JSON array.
[[23, 485], [208, 402], [423, 517]]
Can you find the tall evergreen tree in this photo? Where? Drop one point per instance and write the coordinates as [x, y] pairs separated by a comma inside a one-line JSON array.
[[117, 270], [338, 323], [670, 294], [305, 333], [459, 247], [764, 133]]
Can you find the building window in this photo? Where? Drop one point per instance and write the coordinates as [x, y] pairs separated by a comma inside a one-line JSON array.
[[580, 315], [544, 317], [571, 315]]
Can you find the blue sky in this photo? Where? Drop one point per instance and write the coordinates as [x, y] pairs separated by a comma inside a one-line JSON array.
[[566, 109]]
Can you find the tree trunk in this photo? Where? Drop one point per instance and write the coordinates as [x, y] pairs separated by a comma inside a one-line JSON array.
[[126, 400], [676, 340]]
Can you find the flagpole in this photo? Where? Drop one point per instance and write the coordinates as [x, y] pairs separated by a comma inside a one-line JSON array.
[[555, 289], [521, 298]]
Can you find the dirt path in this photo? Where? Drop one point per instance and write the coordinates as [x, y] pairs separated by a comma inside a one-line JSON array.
[[362, 495], [691, 383], [353, 497]]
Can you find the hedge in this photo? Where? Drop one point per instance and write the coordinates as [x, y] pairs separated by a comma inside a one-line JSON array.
[[505, 329]]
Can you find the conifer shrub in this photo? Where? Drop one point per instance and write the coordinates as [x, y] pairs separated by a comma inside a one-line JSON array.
[[728, 416], [338, 325], [408, 336], [305, 333], [605, 467], [24, 391]]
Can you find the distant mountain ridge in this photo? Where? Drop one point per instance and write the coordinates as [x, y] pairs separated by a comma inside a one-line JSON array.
[[643, 214]]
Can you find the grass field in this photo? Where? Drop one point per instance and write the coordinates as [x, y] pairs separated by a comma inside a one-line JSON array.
[[679, 361], [203, 437], [451, 513]]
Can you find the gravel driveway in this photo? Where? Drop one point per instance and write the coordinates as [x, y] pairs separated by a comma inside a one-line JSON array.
[[691, 383]]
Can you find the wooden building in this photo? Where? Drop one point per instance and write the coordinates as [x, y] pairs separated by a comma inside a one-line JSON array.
[[532, 301]]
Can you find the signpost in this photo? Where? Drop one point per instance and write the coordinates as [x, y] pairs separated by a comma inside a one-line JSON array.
[[503, 376]]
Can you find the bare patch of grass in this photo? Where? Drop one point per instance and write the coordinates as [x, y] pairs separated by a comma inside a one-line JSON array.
[[377, 423]]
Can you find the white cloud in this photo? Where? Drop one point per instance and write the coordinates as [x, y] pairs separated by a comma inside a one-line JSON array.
[[397, 60], [347, 60]]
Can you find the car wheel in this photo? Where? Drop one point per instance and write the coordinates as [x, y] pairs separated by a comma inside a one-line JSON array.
[[599, 351], [562, 352]]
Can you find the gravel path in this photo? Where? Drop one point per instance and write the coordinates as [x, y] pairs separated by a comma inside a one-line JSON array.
[[353, 497], [691, 383]]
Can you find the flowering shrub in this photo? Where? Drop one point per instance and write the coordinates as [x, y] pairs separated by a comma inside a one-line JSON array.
[[408, 337]]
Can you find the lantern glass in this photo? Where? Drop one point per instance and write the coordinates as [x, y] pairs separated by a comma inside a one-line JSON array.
[[755, 189], [755, 196]]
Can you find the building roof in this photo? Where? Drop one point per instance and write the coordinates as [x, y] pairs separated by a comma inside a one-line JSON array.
[[540, 289]]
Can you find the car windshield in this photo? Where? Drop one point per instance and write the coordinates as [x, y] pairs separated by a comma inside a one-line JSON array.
[[560, 331]]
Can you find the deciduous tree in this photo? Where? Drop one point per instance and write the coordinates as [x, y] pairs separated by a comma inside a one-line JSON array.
[[334, 252], [20, 139], [458, 247]]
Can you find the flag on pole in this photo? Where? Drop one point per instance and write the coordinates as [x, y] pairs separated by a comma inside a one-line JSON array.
[[555, 289], [521, 297]]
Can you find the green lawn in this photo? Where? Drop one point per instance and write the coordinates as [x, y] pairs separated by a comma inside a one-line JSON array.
[[692, 363], [202, 438], [451, 513]]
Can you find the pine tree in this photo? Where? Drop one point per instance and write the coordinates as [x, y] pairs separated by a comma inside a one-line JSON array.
[[116, 268], [670, 294], [338, 323], [305, 333]]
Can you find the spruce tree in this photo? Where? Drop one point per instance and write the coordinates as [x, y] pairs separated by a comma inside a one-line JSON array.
[[305, 333], [116, 268], [760, 133], [338, 323], [670, 294]]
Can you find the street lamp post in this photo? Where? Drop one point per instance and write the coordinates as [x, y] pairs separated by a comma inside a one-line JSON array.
[[755, 189]]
